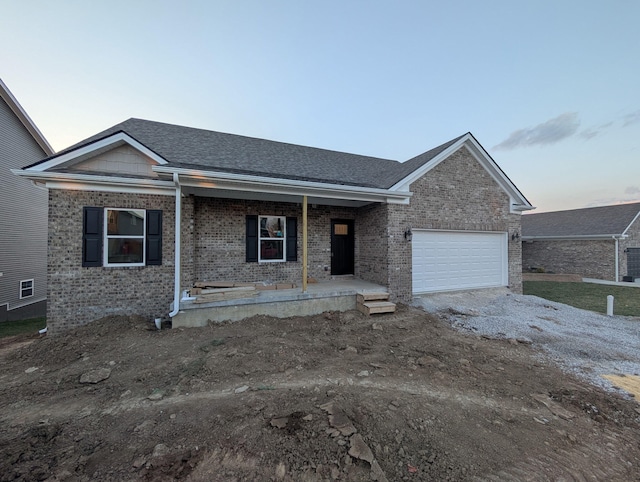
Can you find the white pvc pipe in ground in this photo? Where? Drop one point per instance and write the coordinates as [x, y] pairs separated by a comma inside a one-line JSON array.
[[610, 305]]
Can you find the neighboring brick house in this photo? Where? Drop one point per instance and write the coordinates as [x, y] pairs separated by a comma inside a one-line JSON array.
[[23, 215], [443, 220], [601, 242]]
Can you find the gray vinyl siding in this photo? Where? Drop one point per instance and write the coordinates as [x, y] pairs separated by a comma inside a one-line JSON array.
[[23, 216]]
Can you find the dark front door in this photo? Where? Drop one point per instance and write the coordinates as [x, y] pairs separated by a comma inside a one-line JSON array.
[[342, 246]]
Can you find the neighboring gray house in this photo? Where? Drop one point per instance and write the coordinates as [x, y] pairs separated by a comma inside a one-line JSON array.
[[601, 242], [23, 215], [444, 220]]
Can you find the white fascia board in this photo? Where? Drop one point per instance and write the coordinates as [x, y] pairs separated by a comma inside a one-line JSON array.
[[518, 208], [85, 152], [238, 182], [88, 182], [403, 184], [518, 202], [624, 233], [583, 237]]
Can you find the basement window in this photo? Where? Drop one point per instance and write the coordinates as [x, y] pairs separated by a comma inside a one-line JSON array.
[[26, 288]]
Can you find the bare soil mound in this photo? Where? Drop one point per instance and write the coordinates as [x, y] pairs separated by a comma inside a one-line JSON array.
[[338, 396]]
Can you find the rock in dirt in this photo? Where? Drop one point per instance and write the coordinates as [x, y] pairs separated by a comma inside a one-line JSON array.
[[31, 369], [156, 395], [281, 471], [377, 473], [139, 462], [160, 450], [279, 422], [95, 376], [359, 449], [241, 389], [553, 407]]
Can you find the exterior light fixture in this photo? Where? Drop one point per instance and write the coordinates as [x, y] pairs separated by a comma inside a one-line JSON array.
[[408, 234], [515, 236]]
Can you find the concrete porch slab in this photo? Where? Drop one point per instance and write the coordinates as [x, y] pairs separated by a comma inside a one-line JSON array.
[[335, 295]]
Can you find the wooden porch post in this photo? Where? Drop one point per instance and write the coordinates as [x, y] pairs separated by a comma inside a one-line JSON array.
[[304, 244]]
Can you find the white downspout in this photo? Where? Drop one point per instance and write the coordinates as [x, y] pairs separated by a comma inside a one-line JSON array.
[[617, 261], [176, 281]]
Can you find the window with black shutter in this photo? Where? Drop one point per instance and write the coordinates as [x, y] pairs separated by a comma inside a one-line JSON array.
[[271, 239], [154, 237], [121, 237], [92, 236]]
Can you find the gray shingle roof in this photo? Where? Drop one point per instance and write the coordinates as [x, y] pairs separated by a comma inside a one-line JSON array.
[[191, 148], [598, 221]]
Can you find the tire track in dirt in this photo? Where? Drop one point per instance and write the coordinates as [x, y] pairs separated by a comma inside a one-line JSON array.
[[601, 461]]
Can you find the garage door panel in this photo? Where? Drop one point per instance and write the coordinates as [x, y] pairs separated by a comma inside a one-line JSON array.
[[453, 260]]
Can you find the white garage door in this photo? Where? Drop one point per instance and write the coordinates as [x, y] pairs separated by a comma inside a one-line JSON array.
[[454, 260]]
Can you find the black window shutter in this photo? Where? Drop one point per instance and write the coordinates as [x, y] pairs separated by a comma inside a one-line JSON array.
[[292, 239], [154, 237], [252, 238], [92, 236]]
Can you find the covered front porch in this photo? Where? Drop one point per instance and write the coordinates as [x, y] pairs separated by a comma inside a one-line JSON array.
[[330, 295]]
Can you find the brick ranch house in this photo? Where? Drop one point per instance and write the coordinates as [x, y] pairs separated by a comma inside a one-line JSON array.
[[443, 220], [601, 242]]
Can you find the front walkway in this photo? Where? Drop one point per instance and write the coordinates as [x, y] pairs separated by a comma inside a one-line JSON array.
[[334, 295]]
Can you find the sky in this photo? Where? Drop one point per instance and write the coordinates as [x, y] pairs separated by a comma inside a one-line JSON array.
[[551, 89]]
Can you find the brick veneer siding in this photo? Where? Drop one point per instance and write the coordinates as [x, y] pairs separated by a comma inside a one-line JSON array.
[[220, 237], [458, 194], [372, 244], [590, 259], [633, 241], [76, 294], [188, 241]]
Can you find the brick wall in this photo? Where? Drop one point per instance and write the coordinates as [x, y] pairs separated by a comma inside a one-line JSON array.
[[77, 295], [458, 194], [219, 246], [372, 263], [589, 259]]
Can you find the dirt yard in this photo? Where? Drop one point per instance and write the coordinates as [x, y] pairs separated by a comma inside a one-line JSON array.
[[337, 396]]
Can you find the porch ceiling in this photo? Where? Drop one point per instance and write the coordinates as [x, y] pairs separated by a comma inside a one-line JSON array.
[[271, 197], [240, 186]]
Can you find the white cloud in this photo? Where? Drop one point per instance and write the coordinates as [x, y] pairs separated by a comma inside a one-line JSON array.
[[549, 132], [592, 132], [632, 118]]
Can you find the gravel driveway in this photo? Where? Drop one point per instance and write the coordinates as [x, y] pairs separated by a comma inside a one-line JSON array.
[[582, 342]]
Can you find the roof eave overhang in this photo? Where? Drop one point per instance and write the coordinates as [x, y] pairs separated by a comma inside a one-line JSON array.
[[518, 202], [212, 181], [24, 118], [90, 182], [582, 237]]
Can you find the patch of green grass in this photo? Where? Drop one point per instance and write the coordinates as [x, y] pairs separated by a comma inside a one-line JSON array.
[[587, 296], [12, 328]]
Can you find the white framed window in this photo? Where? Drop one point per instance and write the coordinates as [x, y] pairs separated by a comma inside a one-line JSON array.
[[124, 238], [26, 288], [271, 239]]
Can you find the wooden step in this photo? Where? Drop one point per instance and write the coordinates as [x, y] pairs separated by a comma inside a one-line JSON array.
[[372, 296], [373, 307]]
